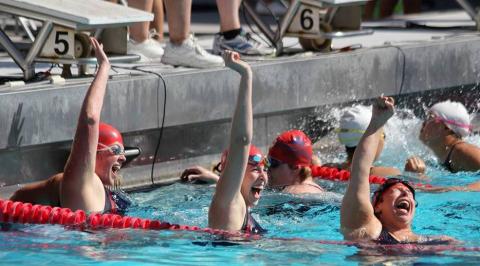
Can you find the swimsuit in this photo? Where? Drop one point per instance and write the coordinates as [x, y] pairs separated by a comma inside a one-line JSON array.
[[385, 238], [448, 161], [116, 201], [250, 225]]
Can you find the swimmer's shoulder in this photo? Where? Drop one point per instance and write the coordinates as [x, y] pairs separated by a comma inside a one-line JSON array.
[[466, 157], [44, 192]]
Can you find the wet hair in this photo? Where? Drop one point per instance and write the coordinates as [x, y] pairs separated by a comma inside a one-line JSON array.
[[377, 195], [305, 172]]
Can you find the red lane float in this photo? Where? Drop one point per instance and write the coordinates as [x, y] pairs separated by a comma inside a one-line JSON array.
[[26, 213], [334, 174]]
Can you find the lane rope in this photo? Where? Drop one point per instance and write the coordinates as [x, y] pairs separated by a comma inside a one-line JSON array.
[[335, 174], [26, 213]]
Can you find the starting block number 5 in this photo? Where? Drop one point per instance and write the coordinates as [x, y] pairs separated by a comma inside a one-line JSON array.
[[60, 43], [306, 20]]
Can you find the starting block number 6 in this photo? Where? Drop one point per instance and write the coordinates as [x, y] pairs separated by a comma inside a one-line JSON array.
[[60, 43], [306, 20]]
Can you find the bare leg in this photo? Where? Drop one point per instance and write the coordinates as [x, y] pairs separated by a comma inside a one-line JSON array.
[[178, 16], [139, 31], [157, 22], [229, 17]]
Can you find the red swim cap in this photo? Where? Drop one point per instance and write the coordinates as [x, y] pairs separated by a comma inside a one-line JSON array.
[[108, 135], [255, 157], [292, 147]]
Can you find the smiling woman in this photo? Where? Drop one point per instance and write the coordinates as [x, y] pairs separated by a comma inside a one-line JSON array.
[[388, 218], [243, 176], [95, 159]]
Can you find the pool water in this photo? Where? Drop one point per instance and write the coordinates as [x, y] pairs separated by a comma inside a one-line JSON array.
[[304, 220]]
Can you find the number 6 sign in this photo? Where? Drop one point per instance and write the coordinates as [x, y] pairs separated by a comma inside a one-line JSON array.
[[306, 20], [60, 43]]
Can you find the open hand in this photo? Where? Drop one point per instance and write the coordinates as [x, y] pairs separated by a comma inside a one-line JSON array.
[[102, 58], [199, 173], [232, 60]]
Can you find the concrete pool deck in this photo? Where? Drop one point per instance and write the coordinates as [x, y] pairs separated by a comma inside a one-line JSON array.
[[38, 119]]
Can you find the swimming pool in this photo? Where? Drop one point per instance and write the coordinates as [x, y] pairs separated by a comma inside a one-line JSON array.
[[310, 219]]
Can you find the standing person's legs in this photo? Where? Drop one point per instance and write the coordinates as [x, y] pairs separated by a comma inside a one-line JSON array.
[[229, 17], [157, 23], [139, 31], [139, 42], [178, 16], [182, 48], [231, 36]]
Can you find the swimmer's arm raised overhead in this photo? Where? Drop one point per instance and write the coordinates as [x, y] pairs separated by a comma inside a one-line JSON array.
[[228, 208], [357, 218], [80, 186]]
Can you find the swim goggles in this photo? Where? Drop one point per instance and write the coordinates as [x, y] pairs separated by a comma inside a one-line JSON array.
[[254, 160], [272, 162], [434, 117], [389, 183], [115, 149]]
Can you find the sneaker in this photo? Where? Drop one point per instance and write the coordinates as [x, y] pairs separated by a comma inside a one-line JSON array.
[[190, 54], [149, 50], [243, 44]]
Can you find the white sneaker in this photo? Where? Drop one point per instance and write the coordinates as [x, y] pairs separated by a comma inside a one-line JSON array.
[[149, 50], [190, 54]]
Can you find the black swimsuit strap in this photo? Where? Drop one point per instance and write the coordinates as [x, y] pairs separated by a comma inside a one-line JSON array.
[[448, 161]]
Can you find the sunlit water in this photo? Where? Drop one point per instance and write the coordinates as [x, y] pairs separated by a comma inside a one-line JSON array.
[[455, 214]]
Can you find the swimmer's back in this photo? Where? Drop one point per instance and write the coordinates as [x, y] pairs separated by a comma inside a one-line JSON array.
[[44, 192]]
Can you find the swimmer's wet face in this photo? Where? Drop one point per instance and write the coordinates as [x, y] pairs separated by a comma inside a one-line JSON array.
[[254, 181], [432, 129], [394, 203], [280, 174], [109, 161]]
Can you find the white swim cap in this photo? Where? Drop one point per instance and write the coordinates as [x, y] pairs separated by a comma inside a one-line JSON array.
[[353, 124], [454, 115]]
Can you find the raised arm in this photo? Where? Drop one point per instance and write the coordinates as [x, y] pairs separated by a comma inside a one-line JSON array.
[[228, 208], [357, 218], [81, 188]]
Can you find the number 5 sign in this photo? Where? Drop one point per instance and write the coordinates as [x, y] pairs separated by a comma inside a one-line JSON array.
[[306, 20], [60, 43]]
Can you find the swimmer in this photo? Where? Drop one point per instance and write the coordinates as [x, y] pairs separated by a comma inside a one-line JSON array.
[[353, 124], [444, 130], [242, 182], [95, 159], [387, 219], [289, 160]]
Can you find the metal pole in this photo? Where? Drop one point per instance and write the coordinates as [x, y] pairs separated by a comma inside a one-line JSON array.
[[29, 67], [11, 49]]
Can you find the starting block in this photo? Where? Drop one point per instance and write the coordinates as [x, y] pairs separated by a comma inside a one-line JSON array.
[[66, 27], [314, 22]]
